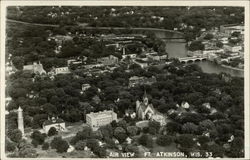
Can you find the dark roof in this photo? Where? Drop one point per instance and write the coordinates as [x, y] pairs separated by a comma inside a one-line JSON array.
[[49, 122]]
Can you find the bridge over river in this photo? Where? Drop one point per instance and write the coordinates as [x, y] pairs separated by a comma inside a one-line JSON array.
[[192, 59]]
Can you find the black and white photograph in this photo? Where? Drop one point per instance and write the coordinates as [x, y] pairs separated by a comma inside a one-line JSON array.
[[125, 80]]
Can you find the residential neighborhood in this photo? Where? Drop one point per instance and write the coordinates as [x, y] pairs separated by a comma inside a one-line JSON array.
[[125, 82]]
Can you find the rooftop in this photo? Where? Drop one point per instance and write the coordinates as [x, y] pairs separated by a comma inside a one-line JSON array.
[[53, 121], [101, 114]]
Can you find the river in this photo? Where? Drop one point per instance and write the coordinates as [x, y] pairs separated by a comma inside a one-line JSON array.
[[177, 48]]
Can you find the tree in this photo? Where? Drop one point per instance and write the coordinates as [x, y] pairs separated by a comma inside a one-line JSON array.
[[80, 145], [218, 151], [45, 146], [52, 131], [100, 152], [62, 146], [107, 131], [189, 128], [9, 146], [54, 143], [235, 34], [203, 139], [134, 149], [208, 36], [132, 130], [173, 127], [86, 133], [120, 134], [164, 140], [207, 124], [186, 140], [38, 137], [35, 143], [49, 109], [196, 45], [219, 44], [26, 150], [154, 124], [237, 147], [18, 62], [92, 143], [59, 144], [15, 135], [146, 140]]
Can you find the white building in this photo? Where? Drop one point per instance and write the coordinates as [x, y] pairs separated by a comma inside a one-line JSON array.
[[232, 48], [85, 86], [58, 123], [35, 68], [95, 120], [62, 70], [212, 51], [141, 63]]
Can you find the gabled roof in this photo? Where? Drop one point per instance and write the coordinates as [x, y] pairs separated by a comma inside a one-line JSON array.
[[144, 107]]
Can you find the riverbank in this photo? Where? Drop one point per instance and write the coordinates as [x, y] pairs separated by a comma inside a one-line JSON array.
[[233, 68]]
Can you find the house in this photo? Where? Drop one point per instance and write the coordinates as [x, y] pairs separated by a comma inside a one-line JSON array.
[[110, 60], [224, 40], [35, 68], [102, 118], [70, 149], [128, 140], [74, 62], [85, 86], [58, 123], [241, 65], [185, 105], [206, 105], [131, 56]]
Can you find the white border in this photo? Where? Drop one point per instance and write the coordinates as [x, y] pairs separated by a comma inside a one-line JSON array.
[[245, 4]]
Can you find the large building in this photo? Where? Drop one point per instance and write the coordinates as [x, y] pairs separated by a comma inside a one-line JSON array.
[[110, 60], [232, 48], [135, 80], [58, 123], [229, 29], [95, 120], [36, 68], [61, 70]]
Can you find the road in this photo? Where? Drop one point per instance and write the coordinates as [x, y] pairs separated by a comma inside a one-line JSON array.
[[104, 28], [35, 24]]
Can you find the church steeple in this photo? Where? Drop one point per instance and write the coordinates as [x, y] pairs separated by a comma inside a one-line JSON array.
[[145, 98]]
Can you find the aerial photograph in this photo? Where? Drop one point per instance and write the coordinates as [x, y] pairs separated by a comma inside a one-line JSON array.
[[124, 82]]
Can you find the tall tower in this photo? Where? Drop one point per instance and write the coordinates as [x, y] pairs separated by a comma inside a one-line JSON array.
[[145, 98], [20, 120]]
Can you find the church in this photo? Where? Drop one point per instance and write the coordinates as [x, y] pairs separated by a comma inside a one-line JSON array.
[[146, 111]]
